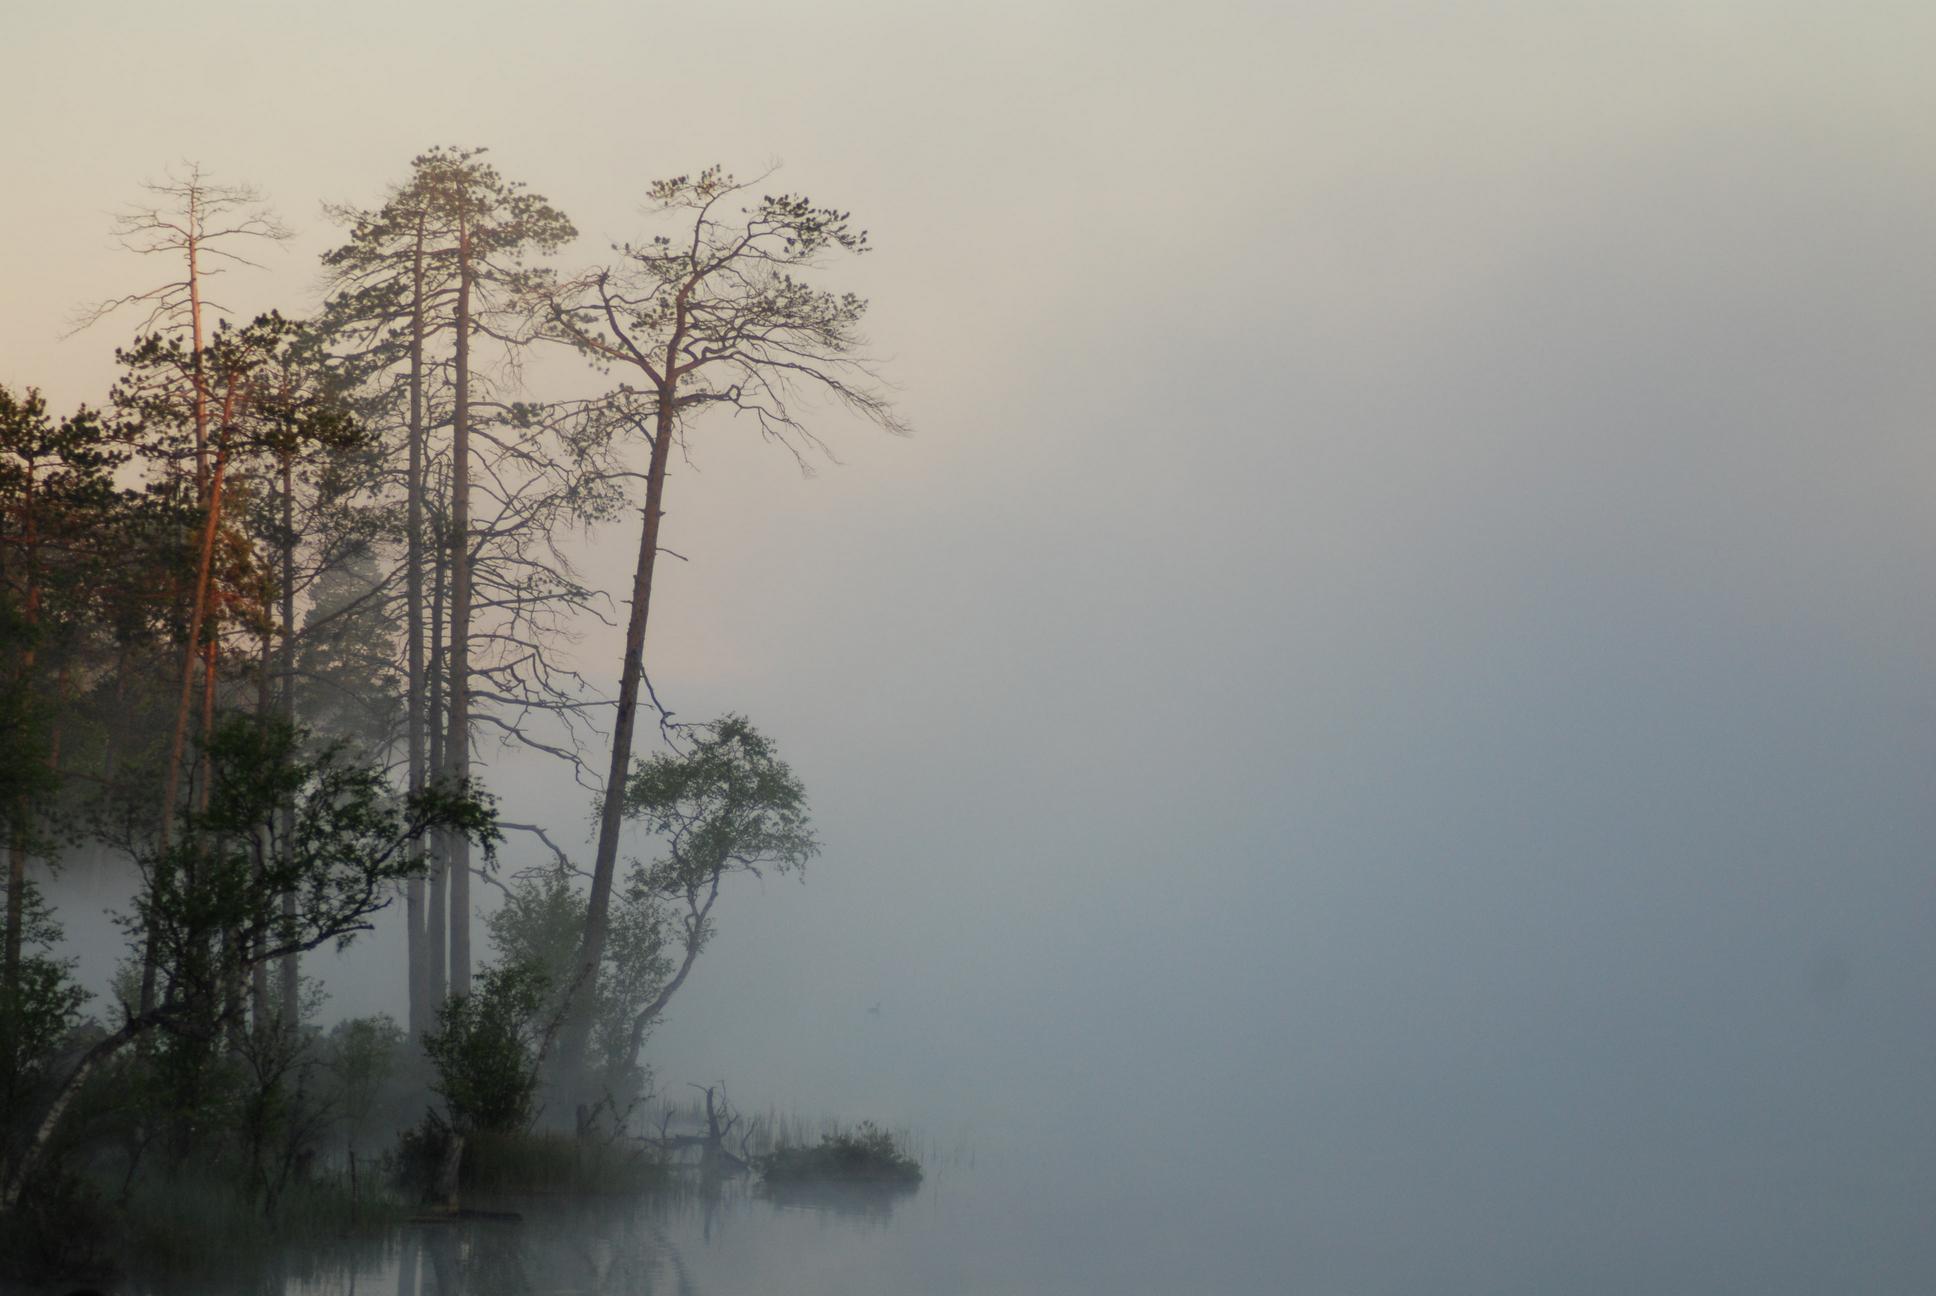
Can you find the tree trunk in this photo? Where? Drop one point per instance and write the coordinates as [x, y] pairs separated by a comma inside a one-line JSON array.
[[413, 893], [695, 936], [264, 840], [436, 927], [457, 743], [612, 810], [290, 968], [211, 653], [193, 241], [198, 610], [16, 896], [444, 1191], [23, 809]]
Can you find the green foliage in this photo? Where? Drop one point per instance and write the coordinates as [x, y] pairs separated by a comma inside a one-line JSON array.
[[57, 501], [452, 200], [264, 378], [485, 1049], [729, 282], [730, 802], [25, 724], [866, 1154], [212, 904], [39, 1010], [541, 925]]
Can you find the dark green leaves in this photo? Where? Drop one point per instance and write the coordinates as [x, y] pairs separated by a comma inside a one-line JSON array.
[[730, 802]]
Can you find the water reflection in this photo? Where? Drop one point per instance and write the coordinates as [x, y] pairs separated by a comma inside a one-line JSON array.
[[714, 1237], [588, 1250], [867, 1203]]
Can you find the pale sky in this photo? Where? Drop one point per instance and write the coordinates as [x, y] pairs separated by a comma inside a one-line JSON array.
[[1407, 607]]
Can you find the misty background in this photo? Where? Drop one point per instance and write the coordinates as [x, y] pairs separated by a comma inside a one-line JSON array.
[[1388, 697]]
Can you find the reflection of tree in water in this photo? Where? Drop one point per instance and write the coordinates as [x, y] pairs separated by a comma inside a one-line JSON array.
[[336, 1267], [593, 1250], [614, 1247], [476, 1260]]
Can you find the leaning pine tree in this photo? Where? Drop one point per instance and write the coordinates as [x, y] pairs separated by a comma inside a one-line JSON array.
[[709, 315]]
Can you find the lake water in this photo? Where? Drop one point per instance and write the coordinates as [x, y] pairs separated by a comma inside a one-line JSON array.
[[963, 1230], [992, 1229], [1350, 1210]]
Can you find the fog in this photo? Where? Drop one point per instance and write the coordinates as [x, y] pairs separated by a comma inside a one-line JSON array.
[[1380, 728]]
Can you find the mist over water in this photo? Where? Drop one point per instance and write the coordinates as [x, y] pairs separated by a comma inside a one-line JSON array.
[[1379, 736]]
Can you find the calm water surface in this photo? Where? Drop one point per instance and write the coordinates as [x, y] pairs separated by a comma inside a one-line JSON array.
[[962, 1231], [1355, 1220]]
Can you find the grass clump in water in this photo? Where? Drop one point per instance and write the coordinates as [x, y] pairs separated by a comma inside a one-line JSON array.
[[866, 1154]]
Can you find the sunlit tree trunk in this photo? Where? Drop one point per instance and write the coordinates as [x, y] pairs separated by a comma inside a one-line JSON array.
[[191, 653]]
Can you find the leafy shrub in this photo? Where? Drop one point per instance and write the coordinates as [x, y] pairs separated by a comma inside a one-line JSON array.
[[542, 924], [420, 1151], [868, 1154], [485, 1049]]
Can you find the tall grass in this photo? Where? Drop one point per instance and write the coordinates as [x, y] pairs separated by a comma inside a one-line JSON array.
[[551, 1162]]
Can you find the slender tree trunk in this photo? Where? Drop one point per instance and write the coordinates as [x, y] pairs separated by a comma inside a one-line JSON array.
[[17, 844], [235, 1020], [264, 841], [194, 241], [413, 892], [436, 928], [611, 810], [213, 992], [695, 937], [289, 967], [211, 653], [457, 743], [198, 615], [16, 897], [198, 610], [112, 739], [62, 692]]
